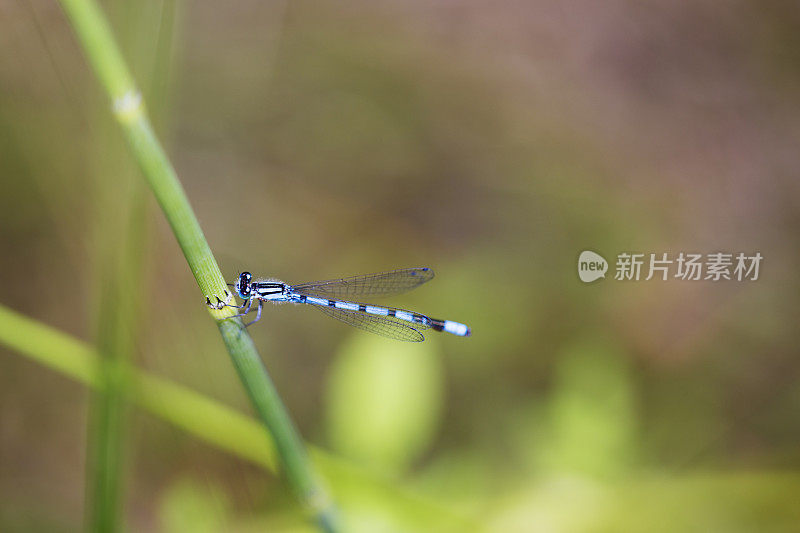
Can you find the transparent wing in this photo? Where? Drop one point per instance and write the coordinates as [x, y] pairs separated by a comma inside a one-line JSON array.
[[386, 326], [380, 284]]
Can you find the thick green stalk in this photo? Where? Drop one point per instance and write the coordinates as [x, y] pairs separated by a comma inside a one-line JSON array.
[[98, 43], [106, 60]]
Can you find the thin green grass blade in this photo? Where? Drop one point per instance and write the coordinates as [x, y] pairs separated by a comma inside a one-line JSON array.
[[119, 279], [217, 425]]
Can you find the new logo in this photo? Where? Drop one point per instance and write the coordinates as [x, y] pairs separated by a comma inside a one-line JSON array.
[[591, 266]]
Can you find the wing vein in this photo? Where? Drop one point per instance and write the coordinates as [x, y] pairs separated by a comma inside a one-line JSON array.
[[378, 284]]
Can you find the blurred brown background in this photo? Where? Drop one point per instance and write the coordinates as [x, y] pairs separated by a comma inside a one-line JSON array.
[[492, 142]]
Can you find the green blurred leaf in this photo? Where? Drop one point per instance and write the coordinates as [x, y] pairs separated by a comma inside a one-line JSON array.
[[658, 503], [591, 413], [713, 501], [190, 507], [384, 400]]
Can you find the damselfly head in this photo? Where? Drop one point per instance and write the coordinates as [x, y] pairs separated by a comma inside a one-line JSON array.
[[242, 285]]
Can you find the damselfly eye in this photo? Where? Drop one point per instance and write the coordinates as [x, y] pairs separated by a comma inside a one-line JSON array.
[[243, 285]]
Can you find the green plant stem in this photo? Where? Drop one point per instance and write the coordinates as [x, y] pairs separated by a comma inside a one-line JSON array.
[[106, 428], [265, 398], [120, 275], [106, 60], [119, 278]]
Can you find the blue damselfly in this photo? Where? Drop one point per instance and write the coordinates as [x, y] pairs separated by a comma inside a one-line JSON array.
[[333, 298]]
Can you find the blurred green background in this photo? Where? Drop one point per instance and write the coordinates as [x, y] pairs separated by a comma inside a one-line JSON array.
[[492, 142]]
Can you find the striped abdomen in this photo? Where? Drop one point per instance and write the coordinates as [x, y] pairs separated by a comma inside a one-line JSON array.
[[423, 321]]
